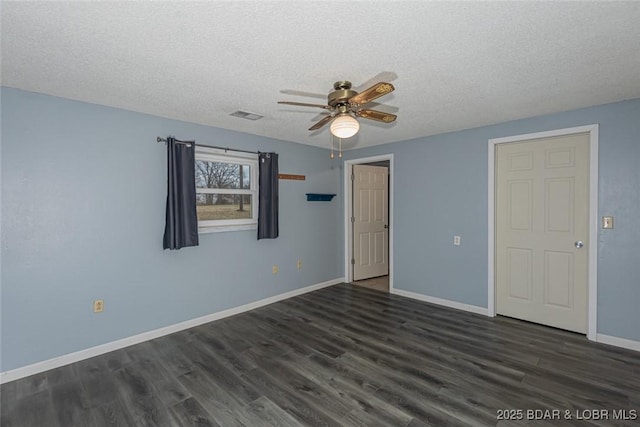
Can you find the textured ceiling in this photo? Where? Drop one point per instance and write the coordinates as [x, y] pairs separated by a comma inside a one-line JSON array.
[[455, 65]]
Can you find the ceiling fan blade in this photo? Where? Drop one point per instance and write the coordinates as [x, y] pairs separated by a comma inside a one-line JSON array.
[[376, 115], [321, 123], [304, 104], [374, 92], [385, 76], [302, 93], [385, 107]]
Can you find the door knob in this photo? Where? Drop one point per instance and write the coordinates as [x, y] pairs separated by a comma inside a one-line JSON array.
[[386, 226], [579, 244]]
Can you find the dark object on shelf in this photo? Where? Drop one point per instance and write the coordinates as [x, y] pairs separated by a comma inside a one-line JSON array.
[[319, 197]]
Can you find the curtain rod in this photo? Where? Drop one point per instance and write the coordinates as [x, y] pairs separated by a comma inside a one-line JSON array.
[[159, 139]]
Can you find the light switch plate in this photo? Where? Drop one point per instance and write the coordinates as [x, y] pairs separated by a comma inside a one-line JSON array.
[[607, 222]]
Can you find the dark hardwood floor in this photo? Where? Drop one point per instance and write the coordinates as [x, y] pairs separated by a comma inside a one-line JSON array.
[[343, 356]]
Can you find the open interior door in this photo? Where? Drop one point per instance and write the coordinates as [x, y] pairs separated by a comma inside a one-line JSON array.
[[370, 221]]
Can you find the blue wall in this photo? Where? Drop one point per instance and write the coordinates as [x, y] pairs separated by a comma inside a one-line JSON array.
[[440, 190], [83, 194]]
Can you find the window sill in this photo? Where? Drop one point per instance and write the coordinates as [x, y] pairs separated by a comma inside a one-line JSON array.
[[225, 228]]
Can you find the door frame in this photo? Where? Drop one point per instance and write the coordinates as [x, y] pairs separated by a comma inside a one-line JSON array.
[[348, 211], [592, 286]]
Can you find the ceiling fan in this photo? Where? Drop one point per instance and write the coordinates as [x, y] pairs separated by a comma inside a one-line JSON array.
[[344, 103]]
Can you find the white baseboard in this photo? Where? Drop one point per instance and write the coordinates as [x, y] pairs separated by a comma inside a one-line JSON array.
[[443, 302], [77, 356], [618, 342]]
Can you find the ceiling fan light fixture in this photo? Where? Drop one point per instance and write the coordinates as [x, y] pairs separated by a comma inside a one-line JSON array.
[[344, 126], [344, 104]]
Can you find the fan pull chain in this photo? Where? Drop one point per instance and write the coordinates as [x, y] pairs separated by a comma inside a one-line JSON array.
[[331, 137], [332, 143]]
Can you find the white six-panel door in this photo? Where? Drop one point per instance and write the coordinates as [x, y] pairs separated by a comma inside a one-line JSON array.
[[542, 217], [370, 225]]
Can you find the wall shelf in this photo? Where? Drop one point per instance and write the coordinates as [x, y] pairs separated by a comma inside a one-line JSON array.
[[319, 197]]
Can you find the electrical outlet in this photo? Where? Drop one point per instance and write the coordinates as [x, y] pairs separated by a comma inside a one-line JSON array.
[[274, 269], [456, 240], [98, 306], [299, 264]]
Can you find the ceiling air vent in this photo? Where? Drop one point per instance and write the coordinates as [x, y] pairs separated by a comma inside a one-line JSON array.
[[246, 115]]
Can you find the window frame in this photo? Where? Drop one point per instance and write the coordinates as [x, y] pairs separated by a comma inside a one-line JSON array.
[[222, 156]]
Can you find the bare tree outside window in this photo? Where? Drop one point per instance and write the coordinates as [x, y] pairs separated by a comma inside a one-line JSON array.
[[223, 176]]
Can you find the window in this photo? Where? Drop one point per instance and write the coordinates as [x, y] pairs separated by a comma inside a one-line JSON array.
[[226, 190]]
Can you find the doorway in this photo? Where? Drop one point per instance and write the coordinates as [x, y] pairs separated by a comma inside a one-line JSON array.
[[543, 228], [368, 222]]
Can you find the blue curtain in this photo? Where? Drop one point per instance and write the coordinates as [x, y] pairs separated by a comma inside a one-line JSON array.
[[268, 196], [181, 221]]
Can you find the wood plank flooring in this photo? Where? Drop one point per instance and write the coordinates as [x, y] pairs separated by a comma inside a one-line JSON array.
[[340, 356]]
